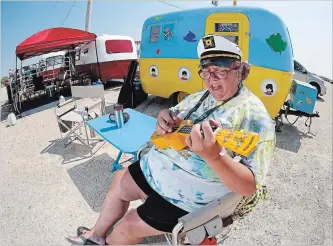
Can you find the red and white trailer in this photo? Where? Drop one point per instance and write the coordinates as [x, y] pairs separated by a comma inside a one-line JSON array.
[[107, 59]]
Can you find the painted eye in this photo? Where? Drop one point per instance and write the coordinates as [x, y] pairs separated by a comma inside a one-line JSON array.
[[184, 73], [269, 87], [153, 71]]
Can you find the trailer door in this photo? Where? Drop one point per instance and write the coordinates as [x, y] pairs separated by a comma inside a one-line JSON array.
[[233, 26]]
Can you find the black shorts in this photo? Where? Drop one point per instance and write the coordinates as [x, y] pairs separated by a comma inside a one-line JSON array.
[[155, 211]]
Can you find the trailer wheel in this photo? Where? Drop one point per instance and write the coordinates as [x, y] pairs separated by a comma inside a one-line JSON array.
[[179, 96]]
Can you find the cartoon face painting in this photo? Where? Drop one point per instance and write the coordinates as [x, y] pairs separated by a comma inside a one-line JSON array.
[[268, 87], [153, 71], [184, 73]]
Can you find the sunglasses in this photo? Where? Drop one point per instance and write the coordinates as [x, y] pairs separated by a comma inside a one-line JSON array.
[[222, 67], [219, 72]]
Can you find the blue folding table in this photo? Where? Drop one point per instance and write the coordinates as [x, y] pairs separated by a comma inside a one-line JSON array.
[[128, 139]]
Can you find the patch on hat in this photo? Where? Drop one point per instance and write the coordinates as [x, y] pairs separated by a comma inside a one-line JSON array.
[[208, 42]]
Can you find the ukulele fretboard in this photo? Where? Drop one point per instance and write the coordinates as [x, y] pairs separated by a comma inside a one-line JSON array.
[[187, 129]]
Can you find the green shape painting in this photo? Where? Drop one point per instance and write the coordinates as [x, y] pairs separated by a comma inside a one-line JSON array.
[[276, 43]]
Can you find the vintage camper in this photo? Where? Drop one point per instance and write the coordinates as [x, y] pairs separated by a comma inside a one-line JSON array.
[[169, 61], [110, 61], [50, 65]]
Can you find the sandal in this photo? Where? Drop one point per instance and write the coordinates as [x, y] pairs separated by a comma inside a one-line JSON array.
[[85, 241], [81, 230]]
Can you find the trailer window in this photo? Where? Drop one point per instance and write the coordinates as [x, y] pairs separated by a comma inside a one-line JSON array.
[[226, 27], [298, 67], [154, 34], [168, 31], [118, 46], [55, 60], [233, 39], [228, 30]]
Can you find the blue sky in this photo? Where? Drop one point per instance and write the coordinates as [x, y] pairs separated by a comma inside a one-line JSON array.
[[309, 23]]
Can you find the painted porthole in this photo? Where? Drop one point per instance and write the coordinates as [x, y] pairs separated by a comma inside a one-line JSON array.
[[269, 87], [153, 71], [184, 73]]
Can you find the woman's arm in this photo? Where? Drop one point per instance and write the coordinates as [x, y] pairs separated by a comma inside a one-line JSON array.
[[236, 176]]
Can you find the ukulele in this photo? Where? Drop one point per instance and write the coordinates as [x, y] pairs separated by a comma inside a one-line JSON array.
[[237, 141]]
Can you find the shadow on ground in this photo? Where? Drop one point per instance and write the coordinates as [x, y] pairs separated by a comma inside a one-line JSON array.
[[153, 105], [290, 138], [75, 151], [113, 86], [93, 179]]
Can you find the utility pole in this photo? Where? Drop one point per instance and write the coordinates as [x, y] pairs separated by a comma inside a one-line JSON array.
[[88, 15]]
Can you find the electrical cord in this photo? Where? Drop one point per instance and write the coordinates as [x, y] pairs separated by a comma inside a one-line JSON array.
[[68, 13]]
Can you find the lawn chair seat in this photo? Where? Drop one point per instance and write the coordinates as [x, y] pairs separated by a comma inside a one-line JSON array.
[[202, 225], [73, 118]]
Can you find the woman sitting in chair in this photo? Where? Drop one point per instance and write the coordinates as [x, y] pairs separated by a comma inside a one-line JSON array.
[[174, 183]]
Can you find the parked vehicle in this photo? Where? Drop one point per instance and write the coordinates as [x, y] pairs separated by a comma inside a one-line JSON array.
[[52, 65], [304, 75], [114, 52]]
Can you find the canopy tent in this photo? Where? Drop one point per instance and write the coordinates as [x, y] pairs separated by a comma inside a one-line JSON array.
[[43, 42], [51, 40]]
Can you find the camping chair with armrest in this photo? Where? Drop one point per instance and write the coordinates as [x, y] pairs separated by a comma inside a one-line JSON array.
[[202, 225], [73, 118]]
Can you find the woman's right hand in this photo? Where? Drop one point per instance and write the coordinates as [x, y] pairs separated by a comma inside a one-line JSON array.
[[165, 121]]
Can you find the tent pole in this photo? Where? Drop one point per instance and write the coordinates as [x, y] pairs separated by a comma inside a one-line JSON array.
[[21, 85], [10, 84], [99, 70]]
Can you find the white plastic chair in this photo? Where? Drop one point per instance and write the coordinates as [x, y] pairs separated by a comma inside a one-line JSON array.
[[73, 117]]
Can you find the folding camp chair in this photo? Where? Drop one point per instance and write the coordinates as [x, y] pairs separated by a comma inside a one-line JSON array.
[[74, 117], [202, 225]]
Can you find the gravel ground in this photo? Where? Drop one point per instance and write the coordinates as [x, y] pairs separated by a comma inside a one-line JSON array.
[[47, 190]]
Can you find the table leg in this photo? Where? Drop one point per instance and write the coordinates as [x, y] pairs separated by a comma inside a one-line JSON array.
[[115, 165]]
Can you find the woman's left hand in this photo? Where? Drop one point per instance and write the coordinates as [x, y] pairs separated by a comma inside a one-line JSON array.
[[204, 144]]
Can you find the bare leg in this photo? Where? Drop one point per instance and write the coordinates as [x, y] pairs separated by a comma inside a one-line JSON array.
[[131, 230], [123, 190]]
